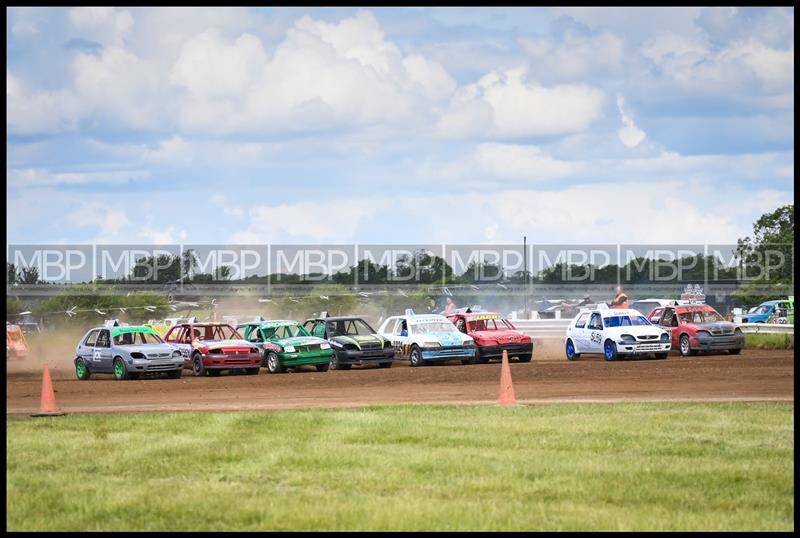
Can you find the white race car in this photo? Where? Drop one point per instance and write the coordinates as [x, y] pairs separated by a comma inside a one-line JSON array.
[[615, 332], [427, 338]]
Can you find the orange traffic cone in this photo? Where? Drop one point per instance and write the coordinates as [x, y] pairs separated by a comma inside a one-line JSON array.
[[506, 386], [48, 406]]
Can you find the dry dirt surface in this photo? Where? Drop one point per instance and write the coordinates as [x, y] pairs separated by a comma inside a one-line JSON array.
[[755, 375]]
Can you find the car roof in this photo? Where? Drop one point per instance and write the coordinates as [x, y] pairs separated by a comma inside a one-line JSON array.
[[335, 318]]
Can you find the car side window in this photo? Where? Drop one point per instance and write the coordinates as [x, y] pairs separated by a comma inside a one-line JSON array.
[[103, 339], [461, 325], [668, 318], [91, 338], [401, 329], [253, 334], [580, 323], [656, 316], [318, 330], [595, 322]]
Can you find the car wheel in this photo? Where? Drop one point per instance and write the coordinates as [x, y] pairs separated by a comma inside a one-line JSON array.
[[385, 364], [273, 363], [735, 351], [323, 367], [120, 372], [334, 362], [175, 374], [663, 355], [197, 366], [684, 346], [525, 358], [81, 370], [610, 350], [571, 354], [251, 371], [415, 357], [478, 358]]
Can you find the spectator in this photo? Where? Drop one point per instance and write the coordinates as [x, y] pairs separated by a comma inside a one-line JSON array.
[[620, 299], [450, 306]]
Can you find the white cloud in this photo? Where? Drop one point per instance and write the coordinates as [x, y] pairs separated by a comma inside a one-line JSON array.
[[521, 162], [31, 111], [40, 177], [163, 236], [576, 56], [507, 105], [110, 221], [629, 134], [106, 25]]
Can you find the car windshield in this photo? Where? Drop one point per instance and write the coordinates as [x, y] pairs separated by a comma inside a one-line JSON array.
[[625, 321], [763, 309], [489, 325], [285, 331], [700, 316], [433, 327], [349, 327], [137, 338], [215, 332]]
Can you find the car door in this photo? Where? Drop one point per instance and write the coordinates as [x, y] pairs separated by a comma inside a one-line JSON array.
[[400, 339], [102, 352], [594, 330], [579, 334], [669, 322], [86, 348]]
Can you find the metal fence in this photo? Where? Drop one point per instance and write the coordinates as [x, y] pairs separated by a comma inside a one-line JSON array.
[[556, 328]]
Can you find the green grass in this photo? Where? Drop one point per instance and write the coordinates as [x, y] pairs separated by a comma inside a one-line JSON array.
[[613, 466], [768, 341]]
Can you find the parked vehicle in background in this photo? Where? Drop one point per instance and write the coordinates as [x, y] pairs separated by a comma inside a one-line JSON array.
[[776, 311], [126, 352], [427, 338], [16, 344], [695, 328], [210, 347], [493, 335], [286, 344], [615, 333], [353, 340]]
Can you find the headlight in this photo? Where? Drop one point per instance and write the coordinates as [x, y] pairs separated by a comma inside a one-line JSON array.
[[176, 354], [702, 335], [137, 355], [628, 339], [469, 343], [289, 349], [387, 343], [325, 345], [431, 344], [665, 337]]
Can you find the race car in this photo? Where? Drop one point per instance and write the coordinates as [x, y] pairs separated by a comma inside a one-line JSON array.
[[615, 333], [16, 344], [696, 328], [426, 338], [210, 347], [777, 311], [353, 341], [126, 352], [286, 344], [493, 335]]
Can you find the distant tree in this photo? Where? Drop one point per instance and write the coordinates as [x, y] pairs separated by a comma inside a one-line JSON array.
[[11, 270], [29, 275]]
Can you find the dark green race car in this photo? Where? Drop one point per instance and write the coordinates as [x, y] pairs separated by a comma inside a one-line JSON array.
[[285, 344], [353, 341]]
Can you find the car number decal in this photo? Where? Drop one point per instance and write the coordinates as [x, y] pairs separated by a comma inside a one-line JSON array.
[[595, 337], [96, 354]]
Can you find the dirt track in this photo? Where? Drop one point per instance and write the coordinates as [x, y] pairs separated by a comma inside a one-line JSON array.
[[550, 378]]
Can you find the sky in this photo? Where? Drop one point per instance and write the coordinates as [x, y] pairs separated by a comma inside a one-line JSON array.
[[397, 125]]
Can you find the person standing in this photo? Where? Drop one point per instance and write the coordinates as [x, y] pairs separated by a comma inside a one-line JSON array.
[[449, 307], [620, 299]]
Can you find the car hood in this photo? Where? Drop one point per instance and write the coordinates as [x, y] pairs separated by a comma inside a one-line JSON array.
[[444, 338], [717, 327], [299, 341], [508, 335], [357, 340]]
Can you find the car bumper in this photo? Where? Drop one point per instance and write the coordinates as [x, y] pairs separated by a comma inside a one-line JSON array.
[[156, 366], [716, 343], [447, 354], [358, 357], [308, 358], [643, 349], [514, 350], [224, 362]]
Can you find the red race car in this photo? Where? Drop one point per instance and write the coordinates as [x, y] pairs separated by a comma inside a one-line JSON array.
[[697, 328], [493, 335], [208, 348]]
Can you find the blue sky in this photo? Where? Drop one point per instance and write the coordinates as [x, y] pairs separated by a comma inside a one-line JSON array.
[[397, 125]]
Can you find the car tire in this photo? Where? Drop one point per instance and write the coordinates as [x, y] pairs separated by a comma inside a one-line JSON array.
[[323, 367], [684, 346], [197, 366], [81, 370], [570, 351], [274, 363], [251, 371], [415, 357], [478, 358], [663, 355], [175, 374], [120, 372], [735, 351], [609, 350], [525, 358], [385, 365], [334, 362]]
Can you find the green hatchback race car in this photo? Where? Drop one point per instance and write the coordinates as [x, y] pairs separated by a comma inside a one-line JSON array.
[[286, 344]]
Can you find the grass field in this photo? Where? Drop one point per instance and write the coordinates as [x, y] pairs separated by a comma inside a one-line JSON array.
[[612, 466], [769, 341]]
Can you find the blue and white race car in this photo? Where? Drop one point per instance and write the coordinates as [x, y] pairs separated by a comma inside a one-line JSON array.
[[613, 333], [427, 338]]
